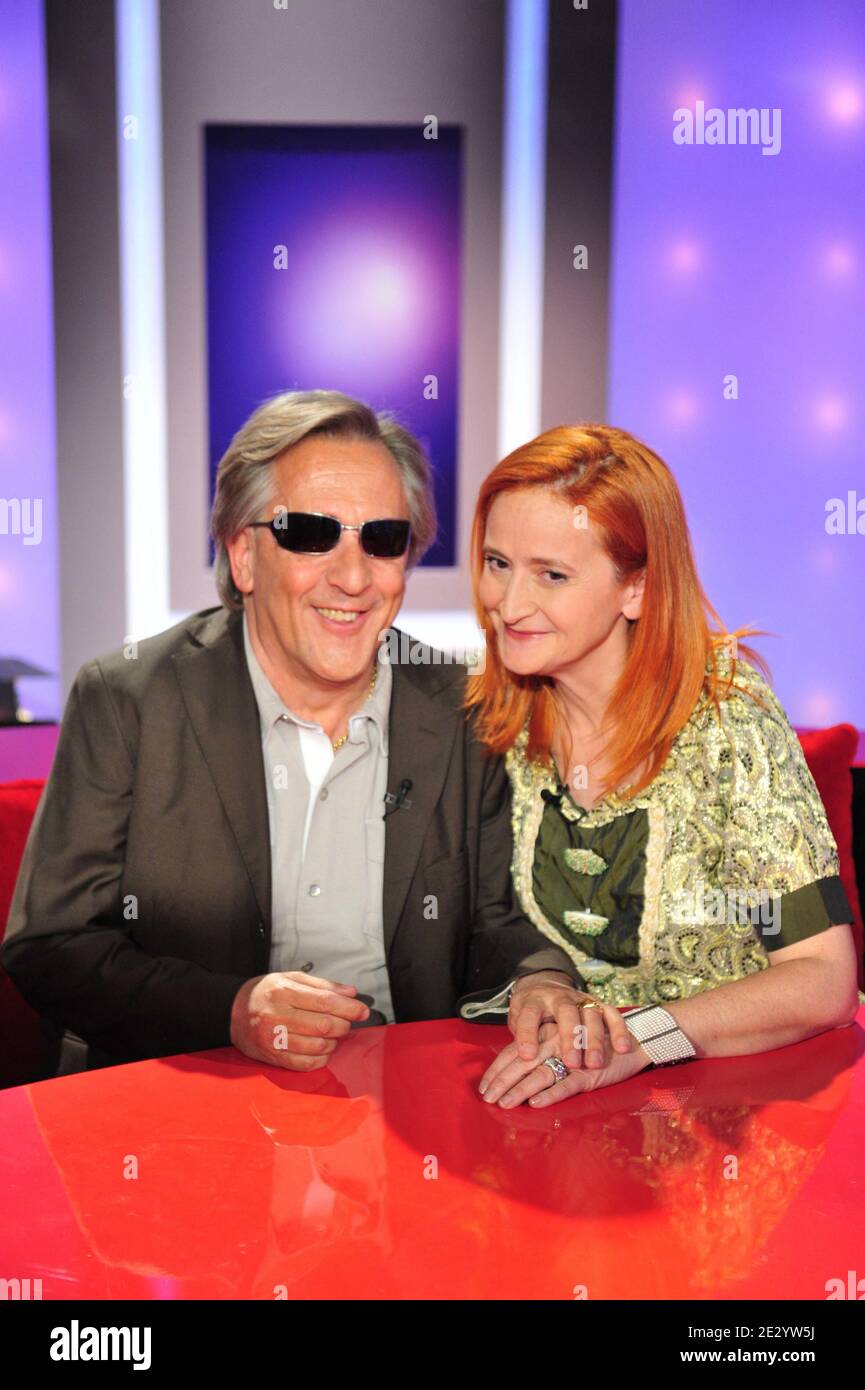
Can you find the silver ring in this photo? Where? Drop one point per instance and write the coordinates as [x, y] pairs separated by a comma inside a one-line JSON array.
[[557, 1066]]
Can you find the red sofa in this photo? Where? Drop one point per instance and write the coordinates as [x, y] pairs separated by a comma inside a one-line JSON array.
[[24, 1055]]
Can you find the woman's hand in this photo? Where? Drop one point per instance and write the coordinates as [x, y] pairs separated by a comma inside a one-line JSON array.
[[550, 996], [510, 1080]]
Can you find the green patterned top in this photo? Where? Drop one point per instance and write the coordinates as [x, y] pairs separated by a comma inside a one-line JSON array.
[[725, 857]]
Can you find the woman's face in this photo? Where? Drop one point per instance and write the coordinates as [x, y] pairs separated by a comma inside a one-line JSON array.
[[550, 589]]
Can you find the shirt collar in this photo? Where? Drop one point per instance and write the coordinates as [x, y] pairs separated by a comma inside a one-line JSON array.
[[271, 707]]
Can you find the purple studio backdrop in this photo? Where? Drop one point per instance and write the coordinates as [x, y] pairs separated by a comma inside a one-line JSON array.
[[728, 262], [333, 261]]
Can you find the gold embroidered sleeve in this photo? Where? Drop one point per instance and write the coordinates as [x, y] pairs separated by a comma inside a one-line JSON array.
[[780, 858]]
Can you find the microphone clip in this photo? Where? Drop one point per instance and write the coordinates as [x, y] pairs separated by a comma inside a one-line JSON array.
[[398, 801]]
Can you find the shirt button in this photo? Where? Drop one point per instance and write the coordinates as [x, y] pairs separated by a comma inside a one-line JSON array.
[[323, 795], [261, 929], [314, 890]]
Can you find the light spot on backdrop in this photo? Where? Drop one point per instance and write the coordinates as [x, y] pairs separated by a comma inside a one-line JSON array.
[[682, 408], [354, 302], [684, 257], [830, 412], [826, 559], [845, 103], [821, 708], [839, 260]]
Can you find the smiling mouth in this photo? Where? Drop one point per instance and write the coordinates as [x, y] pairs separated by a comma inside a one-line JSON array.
[[527, 632], [342, 615]]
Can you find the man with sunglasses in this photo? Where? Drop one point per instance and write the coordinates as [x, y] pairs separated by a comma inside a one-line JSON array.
[[258, 830]]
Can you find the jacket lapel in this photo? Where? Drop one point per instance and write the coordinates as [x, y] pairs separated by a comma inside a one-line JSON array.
[[220, 702], [421, 732]]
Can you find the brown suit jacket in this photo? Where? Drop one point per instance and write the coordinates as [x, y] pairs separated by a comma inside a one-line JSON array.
[[143, 899]]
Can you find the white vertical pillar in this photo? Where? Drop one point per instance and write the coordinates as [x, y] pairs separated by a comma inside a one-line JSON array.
[[145, 463], [523, 192]]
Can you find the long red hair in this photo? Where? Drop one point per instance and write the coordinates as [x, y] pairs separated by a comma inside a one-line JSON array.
[[635, 509]]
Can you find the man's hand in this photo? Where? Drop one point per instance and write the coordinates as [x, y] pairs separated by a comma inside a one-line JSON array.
[[293, 1020], [551, 996], [509, 1080]]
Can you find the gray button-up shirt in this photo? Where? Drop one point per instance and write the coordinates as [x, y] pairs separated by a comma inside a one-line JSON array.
[[327, 836]]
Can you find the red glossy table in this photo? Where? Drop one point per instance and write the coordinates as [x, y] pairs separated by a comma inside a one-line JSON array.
[[385, 1176]]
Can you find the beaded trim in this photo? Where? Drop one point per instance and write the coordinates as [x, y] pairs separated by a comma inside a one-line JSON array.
[[586, 923], [584, 861], [653, 882]]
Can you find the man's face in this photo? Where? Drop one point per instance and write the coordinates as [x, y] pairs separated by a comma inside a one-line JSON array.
[[320, 615]]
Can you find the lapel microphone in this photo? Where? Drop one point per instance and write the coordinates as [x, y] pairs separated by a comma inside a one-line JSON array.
[[398, 801]]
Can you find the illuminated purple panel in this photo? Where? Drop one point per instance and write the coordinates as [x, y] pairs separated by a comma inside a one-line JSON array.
[[368, 301], [29, 617], [727, 260]]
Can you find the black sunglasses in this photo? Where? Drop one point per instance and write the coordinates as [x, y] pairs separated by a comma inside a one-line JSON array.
[[313, 533]]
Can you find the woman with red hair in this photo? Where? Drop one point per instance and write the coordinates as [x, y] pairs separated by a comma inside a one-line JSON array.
[[667, 832]]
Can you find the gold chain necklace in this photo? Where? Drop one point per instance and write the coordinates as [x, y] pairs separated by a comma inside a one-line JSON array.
[[337, 743]]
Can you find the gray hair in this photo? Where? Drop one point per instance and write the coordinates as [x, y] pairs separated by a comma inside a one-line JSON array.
[[245, 477]]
